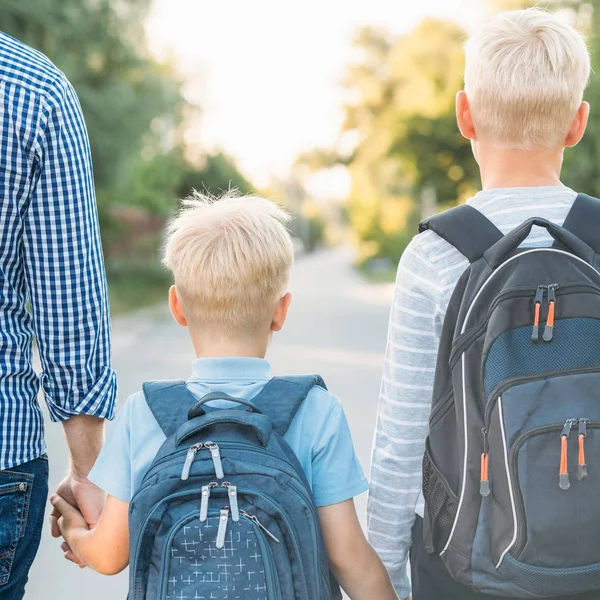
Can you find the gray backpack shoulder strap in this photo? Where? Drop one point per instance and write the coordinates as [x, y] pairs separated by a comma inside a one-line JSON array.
[[281, 398], [465, 228], [583, 221], [169, 402]]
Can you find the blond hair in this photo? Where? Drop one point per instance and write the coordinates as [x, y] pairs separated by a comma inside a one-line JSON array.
[[525, 75], [231, 260]]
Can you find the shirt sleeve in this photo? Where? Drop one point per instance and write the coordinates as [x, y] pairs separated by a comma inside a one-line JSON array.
[[112, 470], [404, 408], [336, 472], [64, 267]]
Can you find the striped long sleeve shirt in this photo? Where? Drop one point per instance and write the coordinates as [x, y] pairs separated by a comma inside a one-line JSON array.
[[427, 275], [50, 258]]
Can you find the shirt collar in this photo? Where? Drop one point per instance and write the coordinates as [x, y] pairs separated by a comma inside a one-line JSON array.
[[536, 194], [231, 368]]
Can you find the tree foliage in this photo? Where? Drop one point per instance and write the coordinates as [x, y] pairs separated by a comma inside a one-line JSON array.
[[401, 107], [133, 105], [402, 110]]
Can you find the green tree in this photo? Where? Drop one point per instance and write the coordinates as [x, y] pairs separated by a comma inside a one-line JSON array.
[[403, 114]]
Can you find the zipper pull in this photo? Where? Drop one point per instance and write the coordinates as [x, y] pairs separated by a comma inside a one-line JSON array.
[[206, 489], [563, 478], [549, 329], [189, 459], [216, 458], [539, 299], [233, 500], [222, 530], [581, 466], [484, 485], [255, 520]]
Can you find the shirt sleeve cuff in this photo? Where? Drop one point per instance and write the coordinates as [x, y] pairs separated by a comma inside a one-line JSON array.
[[98, 402], [402, 586], [341, 495], [103, 481]]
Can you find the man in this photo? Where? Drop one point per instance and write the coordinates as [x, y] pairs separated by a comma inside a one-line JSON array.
[[51, 261], [525, 75]]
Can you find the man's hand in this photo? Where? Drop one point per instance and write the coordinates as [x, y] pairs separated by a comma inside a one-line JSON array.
[[82, 494]]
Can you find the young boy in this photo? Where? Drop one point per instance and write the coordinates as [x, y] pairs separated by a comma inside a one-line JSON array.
[[231, 262], [525, 76]]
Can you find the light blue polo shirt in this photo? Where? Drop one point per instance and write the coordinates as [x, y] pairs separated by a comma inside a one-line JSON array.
[[319, 434]]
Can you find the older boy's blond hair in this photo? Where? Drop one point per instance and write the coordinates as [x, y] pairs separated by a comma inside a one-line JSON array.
[[525, 75], [231, 260]]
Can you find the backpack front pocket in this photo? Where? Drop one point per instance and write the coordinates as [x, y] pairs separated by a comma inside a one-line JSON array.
[[554, 490], [219, 558], [543, 437]]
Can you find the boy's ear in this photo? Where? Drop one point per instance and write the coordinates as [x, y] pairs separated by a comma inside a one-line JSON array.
[[175, 307], [463, 116], [578, 126], [281, 312]]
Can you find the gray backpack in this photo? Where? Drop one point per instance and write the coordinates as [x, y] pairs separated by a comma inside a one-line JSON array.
[[511, 473]]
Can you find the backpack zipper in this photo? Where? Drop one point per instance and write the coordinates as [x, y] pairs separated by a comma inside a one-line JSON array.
[[549, 329], [563, 474], [582, 434], [539, 300], [516, 292], [215, 454], [256, 521], [500, 389], [189, 459]]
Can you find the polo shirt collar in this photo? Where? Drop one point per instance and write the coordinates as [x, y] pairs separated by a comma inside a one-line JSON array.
[[230, 369]]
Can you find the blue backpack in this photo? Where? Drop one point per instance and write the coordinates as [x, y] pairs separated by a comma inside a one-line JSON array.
[[225, 511]]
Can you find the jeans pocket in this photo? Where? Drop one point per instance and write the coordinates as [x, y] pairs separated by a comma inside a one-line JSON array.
[[15, 493]]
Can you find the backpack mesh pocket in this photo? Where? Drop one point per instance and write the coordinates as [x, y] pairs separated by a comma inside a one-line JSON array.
[[440, 506]]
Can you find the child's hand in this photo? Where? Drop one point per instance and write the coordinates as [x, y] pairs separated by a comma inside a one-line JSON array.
[[71, 524]]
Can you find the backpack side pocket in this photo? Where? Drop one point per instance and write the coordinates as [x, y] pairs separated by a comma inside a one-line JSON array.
[[441, 505]]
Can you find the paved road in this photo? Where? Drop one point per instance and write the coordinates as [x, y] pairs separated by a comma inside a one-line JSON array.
[[337, 327]]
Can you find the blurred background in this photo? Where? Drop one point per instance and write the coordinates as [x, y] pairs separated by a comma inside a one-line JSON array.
[[343, 111]]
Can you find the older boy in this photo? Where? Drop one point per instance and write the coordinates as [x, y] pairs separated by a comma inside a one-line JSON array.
[[231, 261], [526, 72]]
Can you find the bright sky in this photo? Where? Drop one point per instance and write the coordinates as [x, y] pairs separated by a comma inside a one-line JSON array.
[[267, 73]]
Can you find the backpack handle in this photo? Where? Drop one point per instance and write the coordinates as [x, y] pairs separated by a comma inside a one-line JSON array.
[[198, 409], [500, 251], [260, 424]]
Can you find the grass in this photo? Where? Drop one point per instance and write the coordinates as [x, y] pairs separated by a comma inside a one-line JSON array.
[[385, 276], [134, 284]]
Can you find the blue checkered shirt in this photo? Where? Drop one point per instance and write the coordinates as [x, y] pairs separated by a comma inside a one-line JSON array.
[[52, 280]]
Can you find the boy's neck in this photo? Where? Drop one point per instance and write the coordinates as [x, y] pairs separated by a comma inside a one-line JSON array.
[[502, 168], [225, 348]]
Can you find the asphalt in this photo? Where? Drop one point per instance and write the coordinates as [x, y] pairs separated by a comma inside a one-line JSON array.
[[336, 327]]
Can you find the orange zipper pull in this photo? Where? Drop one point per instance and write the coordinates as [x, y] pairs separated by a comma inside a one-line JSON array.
[[581, 466], [563, 480], [539, 298], [484, 485], [549, 330]]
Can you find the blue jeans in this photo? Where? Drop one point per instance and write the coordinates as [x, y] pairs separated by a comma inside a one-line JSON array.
[[431, 580], [23, 497]]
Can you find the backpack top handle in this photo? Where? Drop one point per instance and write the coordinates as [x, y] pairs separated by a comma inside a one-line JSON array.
[[260, 424], [501, 250], [198, 409]]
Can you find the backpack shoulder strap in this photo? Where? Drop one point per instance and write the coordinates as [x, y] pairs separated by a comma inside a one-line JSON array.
[[169, 402], [583, 221], [465, 228], [282, 396]]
